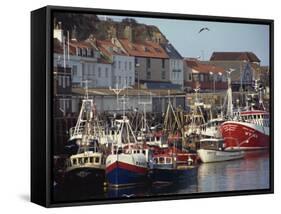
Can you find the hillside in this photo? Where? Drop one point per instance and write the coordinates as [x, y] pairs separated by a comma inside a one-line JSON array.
[[82, 26]]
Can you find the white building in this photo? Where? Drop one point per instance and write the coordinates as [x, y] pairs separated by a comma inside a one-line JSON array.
[[123, 68], [85, 61]]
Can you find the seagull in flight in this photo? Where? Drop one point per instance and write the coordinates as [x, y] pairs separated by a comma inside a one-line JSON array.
[[204, 28]]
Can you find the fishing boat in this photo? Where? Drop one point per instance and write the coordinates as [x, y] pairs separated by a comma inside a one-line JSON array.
[[127, 163], [248, 132], [87, 166], [212, 150], [87, 122], [211, 129], [169, 166], [246, 129]]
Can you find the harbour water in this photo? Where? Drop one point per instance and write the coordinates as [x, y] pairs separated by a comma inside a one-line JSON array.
[[250, 173]]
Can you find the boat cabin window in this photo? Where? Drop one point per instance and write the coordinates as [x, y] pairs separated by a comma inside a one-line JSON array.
[[91, 159], [97, 160], [156, 160], [80, 160], [168, 160], [86, 160], [161, 160], [74, 161], [143, 152]]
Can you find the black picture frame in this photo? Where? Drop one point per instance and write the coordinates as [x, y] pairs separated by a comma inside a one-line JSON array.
[[41, 104]]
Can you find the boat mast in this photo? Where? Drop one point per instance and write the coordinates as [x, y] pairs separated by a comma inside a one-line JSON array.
[[117, 91], [144, 121], [229, 109], [259, 91]]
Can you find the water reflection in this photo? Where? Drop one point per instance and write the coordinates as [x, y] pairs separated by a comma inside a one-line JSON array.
[[249, 173], [245, 174]]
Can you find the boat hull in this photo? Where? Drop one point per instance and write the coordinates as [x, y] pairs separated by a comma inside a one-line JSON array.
[[85, 176], [173, 174], [124, 170], [245, 136], [208, 156]]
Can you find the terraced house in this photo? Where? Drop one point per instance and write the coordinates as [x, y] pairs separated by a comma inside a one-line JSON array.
[[151, 61], [85, 62], [123, 67]]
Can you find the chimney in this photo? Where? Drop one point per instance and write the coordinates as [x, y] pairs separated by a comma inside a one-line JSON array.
[[128, 33], [58, 32], [59, 26], [74, 34], [111, 33]]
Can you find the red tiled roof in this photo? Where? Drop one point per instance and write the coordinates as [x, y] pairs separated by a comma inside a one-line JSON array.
[[58, 46], [144, 49], [106, 47], [235, 56], [203, 68], [81, 44]]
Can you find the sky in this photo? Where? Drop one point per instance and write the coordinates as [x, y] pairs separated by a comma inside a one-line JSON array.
[[184, 36]]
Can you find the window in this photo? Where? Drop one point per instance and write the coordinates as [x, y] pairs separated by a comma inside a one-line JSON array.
[[157, 50], [82, 52], [114, 80], [91, 159], [190, 77], [106, 72], [80, 160], [125, 66], [148, 62], [119, 82], [93, 69], [86, 160], [156, 160], [60, 80], [74, 161], [99, 72], [163, 63], [201, 78], [130, 81], [130, 65], [67, 81], [63, 81], [119, 65], [168, 160], [148, 75], [136, 61], [74, 70], [67, 104], [163, 75], [97, 160], [89, 69], [83, 70]]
